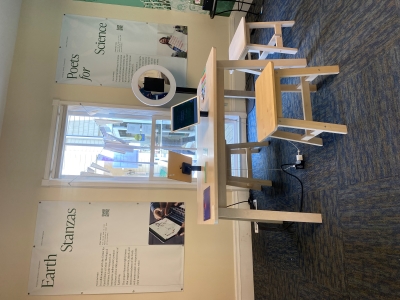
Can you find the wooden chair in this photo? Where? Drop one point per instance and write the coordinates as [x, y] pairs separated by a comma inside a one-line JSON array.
[[248, 149], [240, 45], [269, 106]]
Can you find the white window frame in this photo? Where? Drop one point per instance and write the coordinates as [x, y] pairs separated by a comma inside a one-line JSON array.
[[56, 130]]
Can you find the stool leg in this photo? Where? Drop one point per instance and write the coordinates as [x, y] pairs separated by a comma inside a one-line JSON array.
[[278, 35], [247, 145], [249, 180], [295, 137], [307, 110], [249, 163], [252, 186], [312, 125], [274, 49], [309, 71], [228, 162], [261, 25]]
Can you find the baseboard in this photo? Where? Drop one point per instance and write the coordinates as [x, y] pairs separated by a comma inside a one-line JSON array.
[[243, 255]]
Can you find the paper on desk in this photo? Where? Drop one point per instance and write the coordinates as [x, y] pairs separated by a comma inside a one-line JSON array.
[[202, 93]]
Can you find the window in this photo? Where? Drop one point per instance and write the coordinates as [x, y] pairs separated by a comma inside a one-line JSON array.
[[107, 145]]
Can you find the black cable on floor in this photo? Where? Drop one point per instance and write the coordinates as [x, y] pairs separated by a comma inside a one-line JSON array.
[[301, 200], [302, 191], [260, 225]]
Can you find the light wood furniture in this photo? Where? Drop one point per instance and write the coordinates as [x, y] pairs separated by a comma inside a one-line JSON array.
[[247, 149], [212, 154], [175, 161], [240, 45], [269, 106]]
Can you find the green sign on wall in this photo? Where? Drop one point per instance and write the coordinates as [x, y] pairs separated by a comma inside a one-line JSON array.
[[136, 3], [177, 5]]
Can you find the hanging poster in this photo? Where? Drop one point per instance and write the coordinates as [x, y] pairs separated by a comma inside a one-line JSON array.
[[107, 52], [107, 247]]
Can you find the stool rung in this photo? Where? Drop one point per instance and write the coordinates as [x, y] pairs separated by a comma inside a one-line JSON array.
[[311, 135]]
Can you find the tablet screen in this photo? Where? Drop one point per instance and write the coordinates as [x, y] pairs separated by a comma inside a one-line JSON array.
[[185, 114]]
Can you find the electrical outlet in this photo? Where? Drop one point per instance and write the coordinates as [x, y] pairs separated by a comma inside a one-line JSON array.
[[299, 165], [299, 162]]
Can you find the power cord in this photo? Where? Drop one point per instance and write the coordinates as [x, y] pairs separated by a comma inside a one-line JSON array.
[[260, 225], [302, 189], [299, 164], [238, 203]]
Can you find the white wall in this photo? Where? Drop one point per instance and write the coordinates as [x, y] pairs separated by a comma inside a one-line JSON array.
[[9, 17], [209, 271]]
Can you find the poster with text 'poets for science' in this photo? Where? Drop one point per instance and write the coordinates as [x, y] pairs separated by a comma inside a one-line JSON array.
[[107, 247], [107, 52]]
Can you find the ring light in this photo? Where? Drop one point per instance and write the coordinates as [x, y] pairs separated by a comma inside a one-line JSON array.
[[145, 100]]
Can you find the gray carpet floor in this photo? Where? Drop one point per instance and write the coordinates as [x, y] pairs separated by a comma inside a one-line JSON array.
[[354, 179]]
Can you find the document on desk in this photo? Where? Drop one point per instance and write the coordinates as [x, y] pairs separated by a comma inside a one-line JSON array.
[[102, 248], [202, 93]]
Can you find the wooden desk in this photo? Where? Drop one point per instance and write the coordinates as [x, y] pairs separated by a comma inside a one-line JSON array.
[[212, 155]]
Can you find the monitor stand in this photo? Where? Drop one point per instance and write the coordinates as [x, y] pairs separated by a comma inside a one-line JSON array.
[[188, 168], [185, 90], [180, 167], [193, 91]]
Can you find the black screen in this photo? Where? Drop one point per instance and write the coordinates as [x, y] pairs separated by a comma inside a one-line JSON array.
[[154, 84], [185, 114]]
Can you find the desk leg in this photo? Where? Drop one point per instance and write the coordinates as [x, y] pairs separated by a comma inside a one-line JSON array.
[[267, 215]]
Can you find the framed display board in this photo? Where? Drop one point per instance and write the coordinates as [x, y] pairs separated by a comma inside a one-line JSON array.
[[107, 52], [107, 247]]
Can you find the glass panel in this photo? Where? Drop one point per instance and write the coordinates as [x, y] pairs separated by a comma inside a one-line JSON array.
[[232, 137], [106, 142], [117, 142], [183, 142]]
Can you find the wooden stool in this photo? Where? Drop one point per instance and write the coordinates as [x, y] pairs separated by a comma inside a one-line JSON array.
[[248, 149], [240, 44], [269, 106]]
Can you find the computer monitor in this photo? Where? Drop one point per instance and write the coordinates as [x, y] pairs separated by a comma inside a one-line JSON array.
[[185, 114]]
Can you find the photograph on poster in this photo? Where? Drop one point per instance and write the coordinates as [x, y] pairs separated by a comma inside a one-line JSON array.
[[176, 42], [167, 223]]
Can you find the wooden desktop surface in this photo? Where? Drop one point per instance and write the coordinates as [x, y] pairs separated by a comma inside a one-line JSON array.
[[209, 137]]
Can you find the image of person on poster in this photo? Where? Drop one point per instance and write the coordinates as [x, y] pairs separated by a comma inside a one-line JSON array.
[[178, 52], [167, 215]]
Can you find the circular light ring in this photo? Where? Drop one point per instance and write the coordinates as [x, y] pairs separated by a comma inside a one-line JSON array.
[[145, 100]]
